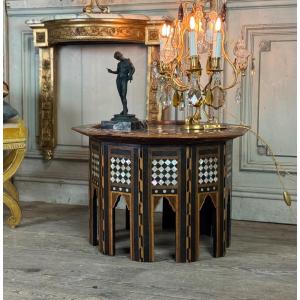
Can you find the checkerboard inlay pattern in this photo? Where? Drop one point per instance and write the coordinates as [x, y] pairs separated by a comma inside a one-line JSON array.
[[208, 170], [95, 164], [120, 170], [164, 172]]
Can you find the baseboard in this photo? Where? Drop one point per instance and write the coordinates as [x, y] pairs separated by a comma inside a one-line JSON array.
[[51, 192], [263, 210], [246, 205]]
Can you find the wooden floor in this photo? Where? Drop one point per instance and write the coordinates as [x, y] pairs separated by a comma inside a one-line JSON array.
[[48, 257]]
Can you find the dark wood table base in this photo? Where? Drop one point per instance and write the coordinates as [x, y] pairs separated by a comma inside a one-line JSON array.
[[189, 178], [193, 177]]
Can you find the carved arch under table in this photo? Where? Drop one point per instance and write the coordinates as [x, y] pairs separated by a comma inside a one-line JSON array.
[[188, 169], [105, 29]]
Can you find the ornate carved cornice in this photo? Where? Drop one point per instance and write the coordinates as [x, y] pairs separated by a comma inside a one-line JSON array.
[[129, 30], [116, 30]]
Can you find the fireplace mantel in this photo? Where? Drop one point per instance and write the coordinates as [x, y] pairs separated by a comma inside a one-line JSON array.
[[87, 29]]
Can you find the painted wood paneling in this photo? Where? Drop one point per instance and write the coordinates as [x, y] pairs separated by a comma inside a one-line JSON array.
[[278, 94], [86, 93], [268, 105]]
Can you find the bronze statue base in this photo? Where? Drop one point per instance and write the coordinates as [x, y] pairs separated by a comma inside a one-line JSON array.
[[124, 123]]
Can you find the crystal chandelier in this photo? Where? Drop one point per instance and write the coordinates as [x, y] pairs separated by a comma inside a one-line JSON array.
[[197, 35]]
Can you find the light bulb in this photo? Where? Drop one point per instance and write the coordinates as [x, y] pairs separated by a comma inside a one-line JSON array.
[[164, 30], [192, 23], [200, 26], [218, 25], [168, 31]]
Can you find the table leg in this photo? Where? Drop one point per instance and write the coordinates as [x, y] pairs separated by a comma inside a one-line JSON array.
[[228, 233], [219, 244], [93, 217], [127, 216], [168, 216]]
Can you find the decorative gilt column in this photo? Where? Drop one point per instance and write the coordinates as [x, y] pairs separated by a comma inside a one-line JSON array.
[[47, 91], [152, 41], [47, 102]]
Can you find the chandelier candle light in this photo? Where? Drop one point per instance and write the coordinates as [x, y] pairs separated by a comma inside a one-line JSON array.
[[195, 34]]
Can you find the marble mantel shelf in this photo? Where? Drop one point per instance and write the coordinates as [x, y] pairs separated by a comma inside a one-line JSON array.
[[37, 22]]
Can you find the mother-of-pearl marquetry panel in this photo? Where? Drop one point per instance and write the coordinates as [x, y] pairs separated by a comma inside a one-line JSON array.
[[87, 93], [208, 170], [164, 172], [269, 97], [120, 170]]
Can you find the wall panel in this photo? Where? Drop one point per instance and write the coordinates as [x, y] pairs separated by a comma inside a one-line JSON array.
[[268, 100], [268, 105]]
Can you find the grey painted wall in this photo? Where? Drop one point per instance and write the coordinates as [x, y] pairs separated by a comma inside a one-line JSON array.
[[268, 101]]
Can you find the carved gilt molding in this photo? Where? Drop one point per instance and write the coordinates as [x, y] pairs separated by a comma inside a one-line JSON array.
[[47, 102], [93, 30]]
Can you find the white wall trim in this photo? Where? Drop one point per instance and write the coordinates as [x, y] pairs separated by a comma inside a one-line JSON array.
[[259, 4], [243, 207], [50, 180], [264, 193], [273, 211], [40, 7], [31, 7]]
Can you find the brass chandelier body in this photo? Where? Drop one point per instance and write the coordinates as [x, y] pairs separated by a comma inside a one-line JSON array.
[[197, 32]]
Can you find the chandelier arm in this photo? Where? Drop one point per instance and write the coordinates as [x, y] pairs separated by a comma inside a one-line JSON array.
[[89, 7], [181, 54], [99, 5], [236, 73], [209, 83], [204, 109], [178, 84]]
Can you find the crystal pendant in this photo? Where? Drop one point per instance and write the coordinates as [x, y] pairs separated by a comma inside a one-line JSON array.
[[194, 100], [216, 79], [209, 97], [163, 100], [176, 99], [169, 97], [182, 106], [218, 97], [238, 96], [242, 55]]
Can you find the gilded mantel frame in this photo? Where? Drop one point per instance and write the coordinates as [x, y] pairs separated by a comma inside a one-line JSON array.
[[48, 34]]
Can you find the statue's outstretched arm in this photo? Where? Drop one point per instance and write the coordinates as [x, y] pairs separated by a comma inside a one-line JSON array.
[[111, 71], [114, 72]]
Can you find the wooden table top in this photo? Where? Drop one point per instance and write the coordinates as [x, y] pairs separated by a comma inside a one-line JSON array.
[[163, 134]]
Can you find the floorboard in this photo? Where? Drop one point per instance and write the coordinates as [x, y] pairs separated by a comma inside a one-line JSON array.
[[48, 257]]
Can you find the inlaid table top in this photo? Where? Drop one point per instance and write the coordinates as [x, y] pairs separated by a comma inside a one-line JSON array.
[[163, 133]]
